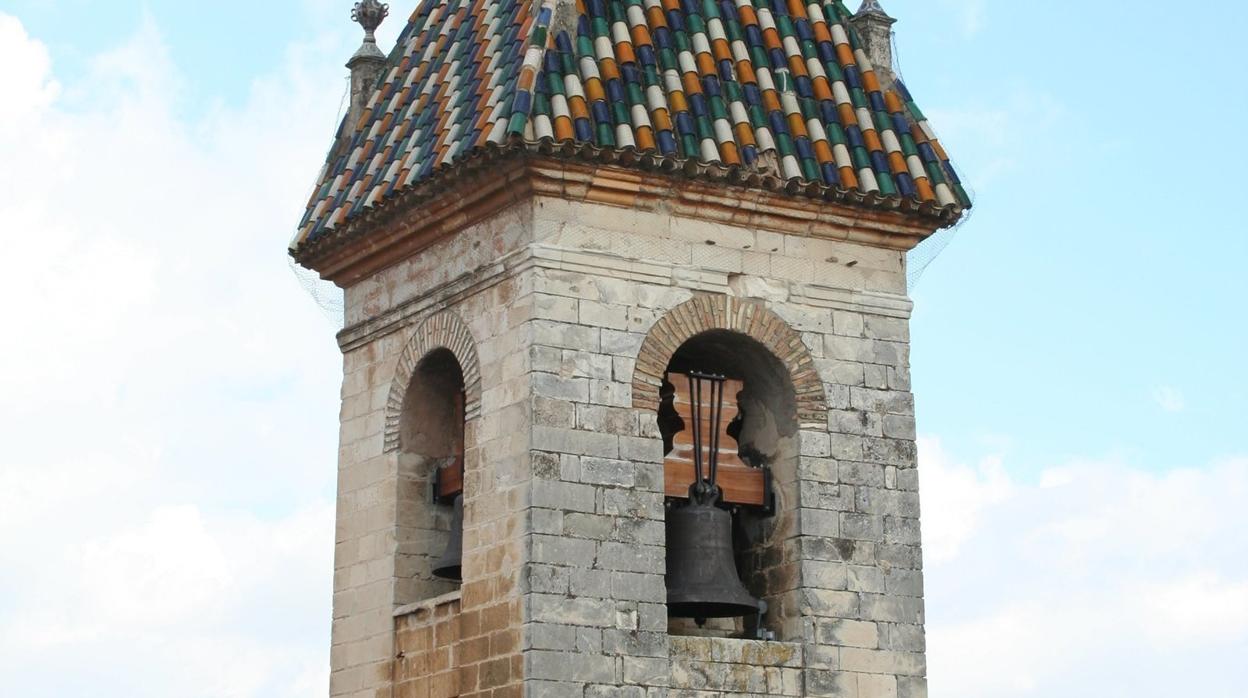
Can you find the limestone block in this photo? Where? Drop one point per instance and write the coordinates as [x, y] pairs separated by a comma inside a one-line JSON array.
[[890, 328], [552, 411], [606, 315], [629, 586], [826, 495], [610, 393], [547, 521], [563, 610], [599, 691], [849, 373], [899, 427], [862, 527], [625, 557], [905, 556], [556, 689], [824, 574], [592, 583], [857, 422], [892, 609], [559, 308], [901, 582], [876, 686], [584, 443], [911, 687], [819, 522], [561, 550], [617, 343], [565, 335], [745, 286], [631, 504], [565, 666], [589, 526], [640, 643], [550, 636], [645, 671], [826, 603], [831, 684], [607, 420], [564, 496], [905, 637], [902, 530]]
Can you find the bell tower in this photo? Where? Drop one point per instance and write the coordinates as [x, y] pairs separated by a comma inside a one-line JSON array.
[[626, 401]]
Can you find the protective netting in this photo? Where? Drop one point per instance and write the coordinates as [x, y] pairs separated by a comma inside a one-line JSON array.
[[327, 296], [918, 259]]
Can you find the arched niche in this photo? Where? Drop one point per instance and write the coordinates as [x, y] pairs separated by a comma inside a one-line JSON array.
[[781, 394], [433, 404]]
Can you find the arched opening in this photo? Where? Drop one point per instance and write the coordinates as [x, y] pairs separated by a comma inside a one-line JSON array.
[[758, 454], [430, 473]]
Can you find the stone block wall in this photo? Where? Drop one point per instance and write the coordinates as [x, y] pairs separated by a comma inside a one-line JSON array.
[[428, 647], [385, 520], [715, 666], [564, 538], [845, 581]]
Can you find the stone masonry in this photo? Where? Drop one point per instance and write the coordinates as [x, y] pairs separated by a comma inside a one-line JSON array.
[[572, 306]]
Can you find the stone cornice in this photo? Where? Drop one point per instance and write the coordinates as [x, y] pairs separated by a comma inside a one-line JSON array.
[[482, 187]]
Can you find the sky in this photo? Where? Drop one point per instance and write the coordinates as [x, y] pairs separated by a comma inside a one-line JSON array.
[[168, 388]]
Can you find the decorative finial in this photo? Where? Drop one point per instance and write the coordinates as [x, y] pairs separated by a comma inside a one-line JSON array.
[[369, 63], [370, 14], [871, 7]]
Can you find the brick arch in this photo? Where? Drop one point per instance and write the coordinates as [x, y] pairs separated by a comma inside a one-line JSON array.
[[442, 331], [750, 318]]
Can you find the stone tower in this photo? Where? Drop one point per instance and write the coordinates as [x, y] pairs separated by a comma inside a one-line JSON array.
[[544, 214]]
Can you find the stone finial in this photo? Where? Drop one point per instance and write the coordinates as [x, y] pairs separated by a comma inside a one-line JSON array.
[[370, 14], [872, 6], [368, 62], [876, 29]]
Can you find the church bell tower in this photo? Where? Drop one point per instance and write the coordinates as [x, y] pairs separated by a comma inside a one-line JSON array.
[[626, 401]]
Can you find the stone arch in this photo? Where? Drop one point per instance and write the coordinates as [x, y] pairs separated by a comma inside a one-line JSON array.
[[751, 318], [444, 330]]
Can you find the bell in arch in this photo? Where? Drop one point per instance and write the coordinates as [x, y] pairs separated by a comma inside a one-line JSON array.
[[702, 578], [448, 565]]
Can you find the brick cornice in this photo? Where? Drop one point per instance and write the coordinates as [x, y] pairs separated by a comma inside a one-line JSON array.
[[482, 188]]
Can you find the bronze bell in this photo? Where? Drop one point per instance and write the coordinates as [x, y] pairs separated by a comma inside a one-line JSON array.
[[448, 566], [702, 580]]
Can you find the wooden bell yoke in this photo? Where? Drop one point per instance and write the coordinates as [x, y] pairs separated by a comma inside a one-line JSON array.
[[741, 484], [449, 479]]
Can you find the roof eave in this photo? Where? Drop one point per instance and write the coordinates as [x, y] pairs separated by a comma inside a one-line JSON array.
[[490, 179]]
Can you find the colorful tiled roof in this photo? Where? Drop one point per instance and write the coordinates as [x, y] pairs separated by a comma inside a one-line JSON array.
[[784, 86]]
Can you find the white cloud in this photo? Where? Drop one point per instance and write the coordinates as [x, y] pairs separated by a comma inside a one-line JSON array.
[[1169, 399], [1069, 585], [963, 493], [26, 80], [166, 523]]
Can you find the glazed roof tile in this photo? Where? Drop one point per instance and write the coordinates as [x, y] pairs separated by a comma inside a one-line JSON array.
[[760, 85]]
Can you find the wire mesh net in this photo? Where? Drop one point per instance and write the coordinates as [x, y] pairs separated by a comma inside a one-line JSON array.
[[326, 295]]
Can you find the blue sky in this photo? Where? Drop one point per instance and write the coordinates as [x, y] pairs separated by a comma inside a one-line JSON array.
[[1077, 347]]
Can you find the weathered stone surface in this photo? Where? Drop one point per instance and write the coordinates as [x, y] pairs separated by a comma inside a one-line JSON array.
[[564, 591]]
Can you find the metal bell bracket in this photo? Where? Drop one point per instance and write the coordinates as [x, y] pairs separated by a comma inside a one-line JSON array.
[[704, 388], [758, 632]]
